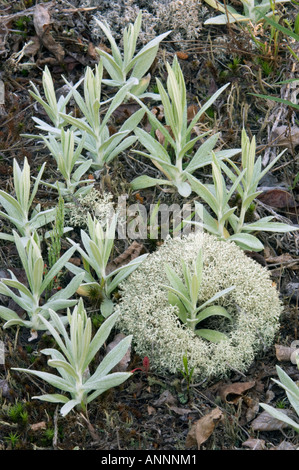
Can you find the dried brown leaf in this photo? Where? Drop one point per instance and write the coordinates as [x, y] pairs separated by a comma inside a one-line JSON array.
[[202, 429], [42, 24], [278, 198], [180, 411], [132, 252], [266, 422], [41, 19], [254, 444], [286, 137], [182, 55], [166, 398], [122, 366], [38, 426], [284, 353], [231, 393]]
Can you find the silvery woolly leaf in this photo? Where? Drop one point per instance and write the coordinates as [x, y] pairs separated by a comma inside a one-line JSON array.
[[52, 379], [212, 311], [110, 360], [52, 398], [103, 384], [8, 314], [106, 307], [247, 241], [265, 225], [145, 181], [184, 188], [69, 405], [100, 337]]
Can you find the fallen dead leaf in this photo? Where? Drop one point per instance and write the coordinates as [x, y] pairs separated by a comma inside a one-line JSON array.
[[182, 55], [285, 258], [284, 446], [266, 422], [202, 429], [232, 393], [122, 366], [151, 410], [285, 353], [38, 426], [278, 198], [252, 407], [42, 24], [286, 137], [254, 444], [180, 411], [166, 398], [132, 252]]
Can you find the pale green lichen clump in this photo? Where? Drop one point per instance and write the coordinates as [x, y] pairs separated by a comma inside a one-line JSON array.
[[99, 205], [157, 332]]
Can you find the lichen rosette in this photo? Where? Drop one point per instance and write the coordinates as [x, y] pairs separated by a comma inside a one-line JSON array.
[[157, 331]]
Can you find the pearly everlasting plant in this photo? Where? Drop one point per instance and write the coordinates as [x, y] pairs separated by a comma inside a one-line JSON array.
[[72, 361], [245, 182], [67, 158], [129, 64], [30, 298], [179, 160], [254, 11], [51, 105], [185, 294], [101, 146], [98, 245], [18, 209]]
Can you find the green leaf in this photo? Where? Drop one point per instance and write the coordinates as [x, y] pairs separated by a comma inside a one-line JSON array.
[[175, 301], [211, 311], [264, 225], [56, 268], [211, 335], [247, 241], [107, 307], [52, 398], [184, 188], [105, 383], [145, 181], [175, 280], [216, 297], [52, 379], [110, 360]]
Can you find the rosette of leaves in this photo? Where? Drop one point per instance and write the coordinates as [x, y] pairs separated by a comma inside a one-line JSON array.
[[244, 186], [18, 209], [254, 11], [185, 295], [129, 64], [176, 163], [98, 245], [101, 146], [72, 361], [67, 158], [30, 296], [50, 105]]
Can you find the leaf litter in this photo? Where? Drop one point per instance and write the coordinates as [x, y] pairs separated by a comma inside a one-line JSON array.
[[148, 412]]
